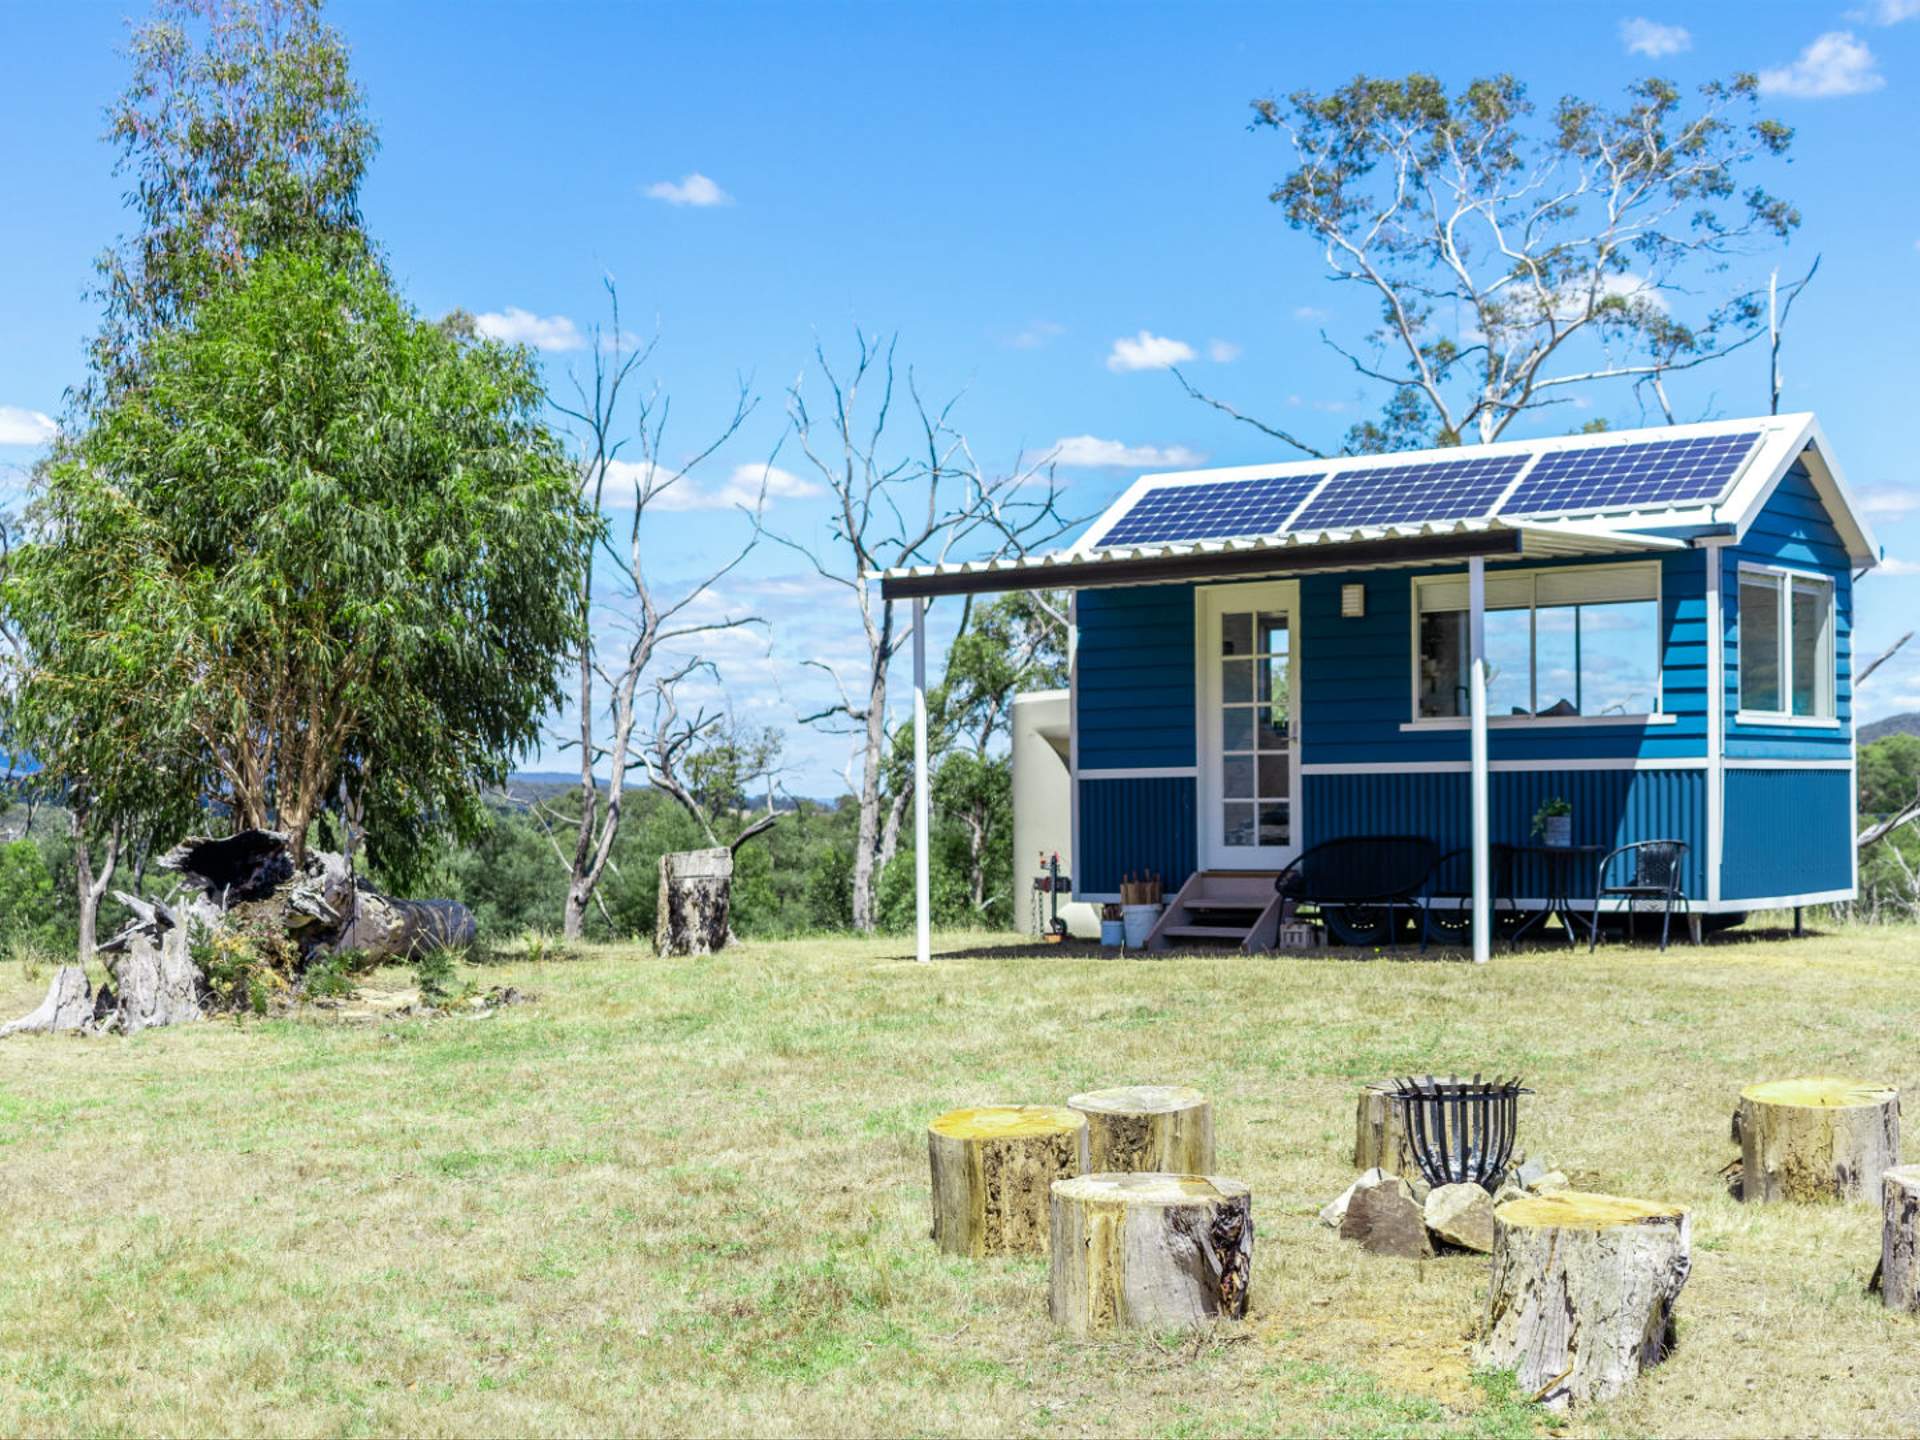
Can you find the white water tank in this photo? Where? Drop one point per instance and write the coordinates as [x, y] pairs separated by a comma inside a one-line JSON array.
[[1043, 811]]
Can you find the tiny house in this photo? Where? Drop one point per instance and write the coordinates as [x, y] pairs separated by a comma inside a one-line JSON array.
[[1659, 620]]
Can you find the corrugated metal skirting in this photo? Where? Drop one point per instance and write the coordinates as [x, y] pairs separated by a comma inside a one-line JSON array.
[[1610, 807], [1789, 832], [1134, 825]]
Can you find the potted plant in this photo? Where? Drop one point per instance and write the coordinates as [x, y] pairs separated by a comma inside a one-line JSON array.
[[1553, 821]]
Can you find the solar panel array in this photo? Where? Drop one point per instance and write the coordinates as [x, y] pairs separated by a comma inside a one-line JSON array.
[[1567, 480], [1402, 494], [1623, 477], [1215, 511]]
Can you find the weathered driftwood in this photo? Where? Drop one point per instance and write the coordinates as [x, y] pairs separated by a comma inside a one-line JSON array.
[[695, 911], [1380, 1133], [1164, 1128], [1900, 1238], [992, 1168], [1151, 1251], [1821, 1138], [1582, 1294]]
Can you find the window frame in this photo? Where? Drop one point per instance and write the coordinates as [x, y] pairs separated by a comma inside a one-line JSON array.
[[1656, 574], [1783, 579]]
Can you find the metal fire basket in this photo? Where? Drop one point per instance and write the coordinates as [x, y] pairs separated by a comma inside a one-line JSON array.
[[1461, 1131]]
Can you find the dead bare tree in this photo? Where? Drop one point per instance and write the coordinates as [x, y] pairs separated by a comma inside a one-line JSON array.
[[895, 504], [708, 763], [1779, 306], [1514, 265], [627, 622]]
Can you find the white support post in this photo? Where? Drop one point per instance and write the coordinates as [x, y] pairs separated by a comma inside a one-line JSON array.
[[1477, 698], [1716, 722], [922, 801]]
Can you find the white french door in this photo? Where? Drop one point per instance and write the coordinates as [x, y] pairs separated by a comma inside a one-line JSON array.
[[1248, 714]]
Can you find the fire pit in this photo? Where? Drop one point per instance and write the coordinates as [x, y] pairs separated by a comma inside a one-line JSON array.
[[1461, 1131]]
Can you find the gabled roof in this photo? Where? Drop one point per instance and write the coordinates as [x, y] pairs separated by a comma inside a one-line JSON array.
[[1562, 495]]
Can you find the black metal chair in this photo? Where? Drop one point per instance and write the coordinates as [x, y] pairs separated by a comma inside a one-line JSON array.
[[1658, 872], [1360, 883]]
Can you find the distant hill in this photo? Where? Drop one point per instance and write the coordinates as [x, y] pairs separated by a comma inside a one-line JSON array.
[[530, 787], [1907, 724]]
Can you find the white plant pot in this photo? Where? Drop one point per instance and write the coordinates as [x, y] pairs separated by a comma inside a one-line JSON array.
[[1138, 921], [1559, 830]]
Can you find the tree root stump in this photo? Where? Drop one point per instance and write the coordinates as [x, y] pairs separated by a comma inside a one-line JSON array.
[[993, 1167], [1582, 1295], [1149, 1251], [69, 1006], [695, 911], [1900, 1239], [1162, 1128], [1817, 1139], [1380, 1134]]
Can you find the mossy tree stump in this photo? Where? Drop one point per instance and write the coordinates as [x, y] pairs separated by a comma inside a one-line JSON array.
[[1821, 1138], [1380, 1133], [1163, 1128], [1582, 1295], [1149, 1251], [1900, 1238], [993, 1168]]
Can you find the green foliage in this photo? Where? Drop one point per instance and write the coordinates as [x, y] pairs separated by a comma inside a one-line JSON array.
[[1889, 775], [437, 971], [240, 131], [332, 977], [319, 540], [247, 968], [26, 895]]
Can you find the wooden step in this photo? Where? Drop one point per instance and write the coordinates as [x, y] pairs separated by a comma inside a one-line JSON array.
[[1235, 933]]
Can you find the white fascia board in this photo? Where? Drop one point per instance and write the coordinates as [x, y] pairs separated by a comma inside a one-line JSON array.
[[1800, 437]]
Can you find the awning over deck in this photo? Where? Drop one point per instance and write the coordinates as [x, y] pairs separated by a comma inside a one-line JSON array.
[[1369, 548]]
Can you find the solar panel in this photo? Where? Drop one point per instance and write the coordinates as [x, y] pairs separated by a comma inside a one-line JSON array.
[[1622, 477], [1217, 511], [1400, 494]]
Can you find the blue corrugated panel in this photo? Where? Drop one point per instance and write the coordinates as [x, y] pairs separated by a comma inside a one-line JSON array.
[[1134, 826], [1134, 677], [1610, 807], [1793, 529], [1789, 832]]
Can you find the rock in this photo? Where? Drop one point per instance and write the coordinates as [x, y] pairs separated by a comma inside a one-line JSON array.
[[1336, 1209], [1386, 1219], [1526, 1174], [1462, 1215], [1510, 1189], [1551, 1181]]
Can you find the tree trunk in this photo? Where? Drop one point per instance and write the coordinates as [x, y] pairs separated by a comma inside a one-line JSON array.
[[1900, 1239], [694, 914], [92, 887], [1151, 1252], [1380, 1134], [1166, 1128], [992, 1170], [1582, 1294], [156, 982], [68, 1006], [1817, 1139]]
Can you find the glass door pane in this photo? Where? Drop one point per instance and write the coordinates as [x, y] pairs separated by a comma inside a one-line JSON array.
[[1255, 721]]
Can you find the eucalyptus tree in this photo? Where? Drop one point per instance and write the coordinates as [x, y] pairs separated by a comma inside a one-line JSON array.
[[1517, 260], [319, 546]]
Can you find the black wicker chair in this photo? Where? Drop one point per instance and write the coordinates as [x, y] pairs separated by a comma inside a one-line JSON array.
[[1658, 869], [1360, 884]]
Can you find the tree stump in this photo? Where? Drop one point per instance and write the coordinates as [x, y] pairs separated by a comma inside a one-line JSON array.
[[696, 902], [69, 1006], [1582, 1295], [1164, 1128], [992, 1168], [1149, 1251], [1380, 1134], [1821, 1138], [1900, 1238]]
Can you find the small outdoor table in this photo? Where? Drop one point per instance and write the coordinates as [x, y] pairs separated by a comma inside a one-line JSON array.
[[1563, 862]]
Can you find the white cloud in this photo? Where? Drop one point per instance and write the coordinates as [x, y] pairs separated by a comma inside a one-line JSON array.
[[1036, 335], [742, 487], [1652, 39], [1833, 65], [1889, 499], [1222, 352], [1308, 312], [1090, 452], [695, 189], [25, 427], [522, 327], [1147, 351], [1886, 12], [1892, 566]]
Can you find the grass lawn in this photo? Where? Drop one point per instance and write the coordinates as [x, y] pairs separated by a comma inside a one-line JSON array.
[[690, 1197]]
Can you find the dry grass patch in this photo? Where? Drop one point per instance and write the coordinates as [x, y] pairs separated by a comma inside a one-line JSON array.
[[689, 1197]]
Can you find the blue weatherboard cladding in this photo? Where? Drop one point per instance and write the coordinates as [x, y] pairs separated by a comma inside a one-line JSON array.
[[1793, 531], [1610, 807], [1134, 673], [1142, 826], [1789, 832]]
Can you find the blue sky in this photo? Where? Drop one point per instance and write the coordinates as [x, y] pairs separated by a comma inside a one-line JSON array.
[[1014, 190]]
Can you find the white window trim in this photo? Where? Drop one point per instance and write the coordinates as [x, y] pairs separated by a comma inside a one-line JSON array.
[[1657, 716], [1830, 691]]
